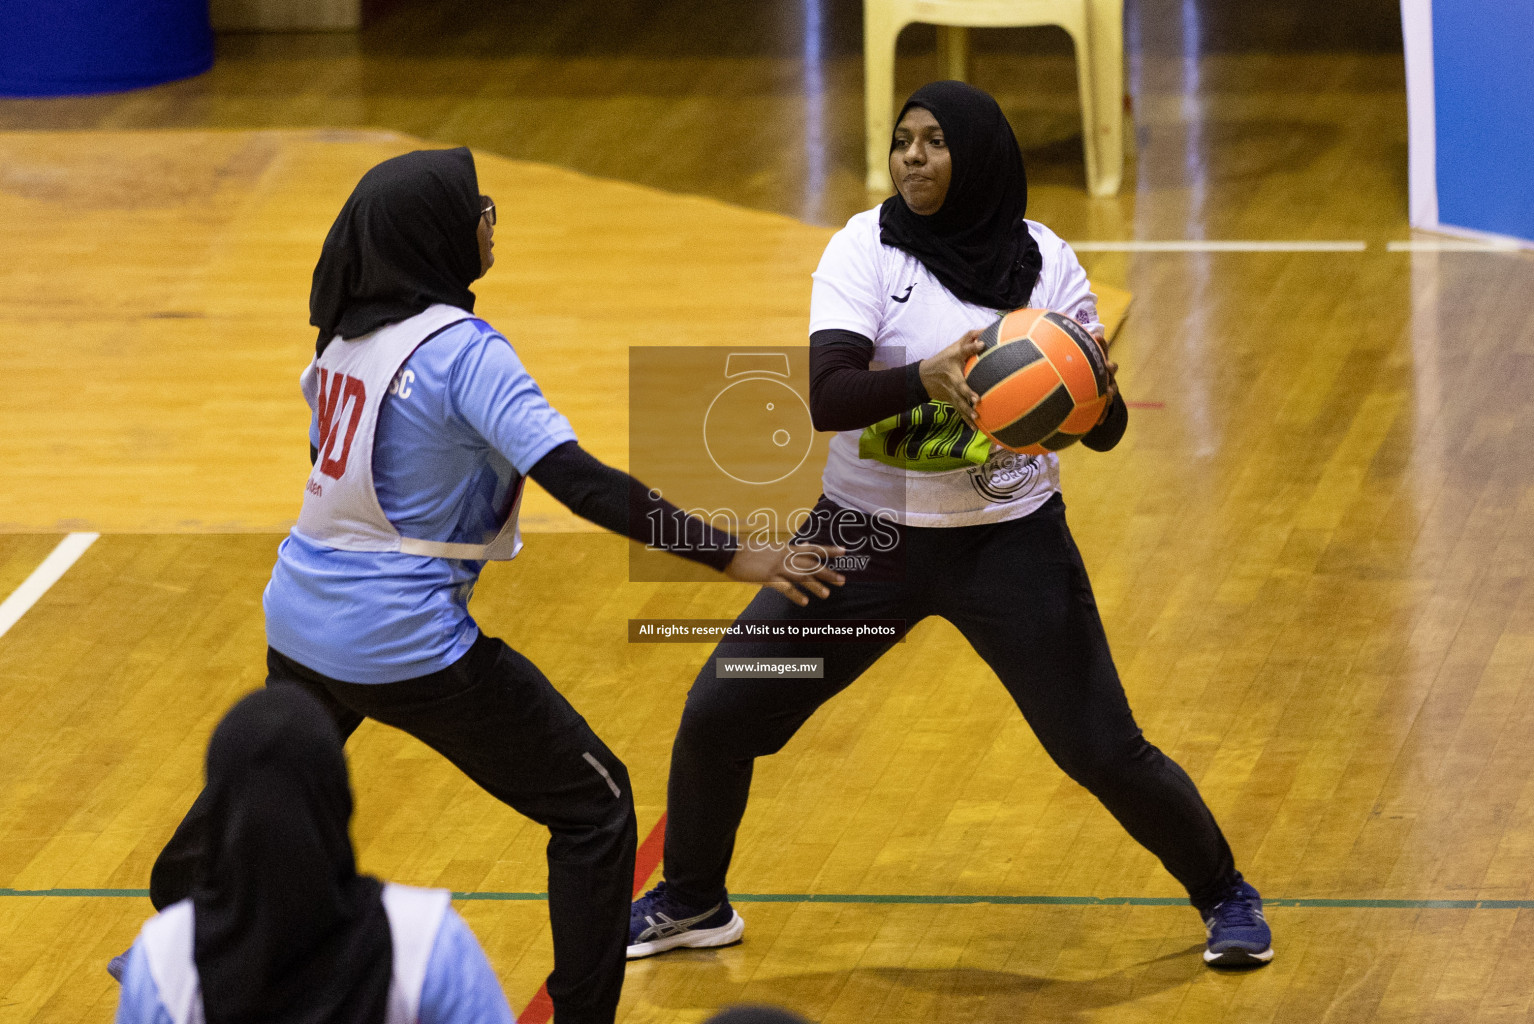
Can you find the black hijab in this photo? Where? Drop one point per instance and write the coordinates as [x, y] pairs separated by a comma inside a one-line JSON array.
[[285, 930], [405, 239], [976, 244]]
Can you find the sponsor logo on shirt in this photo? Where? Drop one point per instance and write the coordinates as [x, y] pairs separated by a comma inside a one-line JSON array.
[[1005, 476], [1086, 313]]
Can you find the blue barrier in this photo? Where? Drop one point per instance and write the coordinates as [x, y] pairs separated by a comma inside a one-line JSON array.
[[72, 47], [1483, 66], [1470, 93]]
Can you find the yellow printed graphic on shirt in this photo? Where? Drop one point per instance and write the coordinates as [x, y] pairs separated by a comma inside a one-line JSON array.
[[927, 438]]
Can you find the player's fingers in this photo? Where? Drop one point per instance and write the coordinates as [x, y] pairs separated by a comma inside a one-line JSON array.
[[825, 551], [816, 580], [803, 581], [964, 399], [790, 591], [965, 347], [818, 569], [830, 575], [823, 573]]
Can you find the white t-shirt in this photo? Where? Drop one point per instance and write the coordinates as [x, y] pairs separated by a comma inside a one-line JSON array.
[[883, 293]]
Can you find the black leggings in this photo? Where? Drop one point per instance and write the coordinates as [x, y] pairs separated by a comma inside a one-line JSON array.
[[1019, 593], [502, 723]]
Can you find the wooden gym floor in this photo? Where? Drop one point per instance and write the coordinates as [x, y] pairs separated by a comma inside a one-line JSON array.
[[1311, 550]]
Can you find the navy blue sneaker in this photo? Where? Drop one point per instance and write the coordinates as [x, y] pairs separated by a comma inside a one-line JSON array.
[[1238, 933], [659, 921], [117, 966]]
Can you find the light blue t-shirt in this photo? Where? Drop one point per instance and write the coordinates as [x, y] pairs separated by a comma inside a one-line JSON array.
[[462, 421], [460, 987]]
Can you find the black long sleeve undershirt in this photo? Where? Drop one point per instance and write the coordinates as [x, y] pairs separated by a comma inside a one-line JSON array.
[[616, 501], [1110, 430], [846, 395]]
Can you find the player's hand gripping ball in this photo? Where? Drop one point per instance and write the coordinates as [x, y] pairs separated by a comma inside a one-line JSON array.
[[1042, 381]]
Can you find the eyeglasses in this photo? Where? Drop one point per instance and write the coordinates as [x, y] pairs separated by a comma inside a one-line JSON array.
[[487, 208]]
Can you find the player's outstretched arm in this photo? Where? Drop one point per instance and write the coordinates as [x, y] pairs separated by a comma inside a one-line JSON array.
[[616, 501]]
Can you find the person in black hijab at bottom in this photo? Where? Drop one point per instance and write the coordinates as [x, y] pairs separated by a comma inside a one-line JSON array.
[[280, 928], [424, 425], [979, 533]]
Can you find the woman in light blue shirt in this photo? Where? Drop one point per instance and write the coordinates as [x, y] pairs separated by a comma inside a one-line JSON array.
[[425, 425], [279, 927]]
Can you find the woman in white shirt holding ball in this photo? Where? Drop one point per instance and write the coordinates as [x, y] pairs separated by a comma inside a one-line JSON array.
[[951, 526]]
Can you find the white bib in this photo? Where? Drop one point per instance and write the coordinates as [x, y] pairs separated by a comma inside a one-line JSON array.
[[415, 917], [346, 387]]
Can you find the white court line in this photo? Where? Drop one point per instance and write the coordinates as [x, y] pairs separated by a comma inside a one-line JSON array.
[[1205, 245], [1459, 245], [44, 576]]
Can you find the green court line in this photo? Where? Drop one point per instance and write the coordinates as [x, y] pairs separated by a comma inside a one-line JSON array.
[[949, 900], [500, 895], [74, 892]]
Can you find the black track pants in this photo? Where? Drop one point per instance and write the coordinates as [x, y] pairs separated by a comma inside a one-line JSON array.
[[1019, 593]]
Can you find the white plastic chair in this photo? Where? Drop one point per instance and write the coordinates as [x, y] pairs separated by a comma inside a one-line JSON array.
[[1095, 26]]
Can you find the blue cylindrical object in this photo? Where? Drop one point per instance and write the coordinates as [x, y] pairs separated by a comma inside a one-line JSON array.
[[72, 47]]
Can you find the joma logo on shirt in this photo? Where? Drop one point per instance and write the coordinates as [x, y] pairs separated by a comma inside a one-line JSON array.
[[337, 392]]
